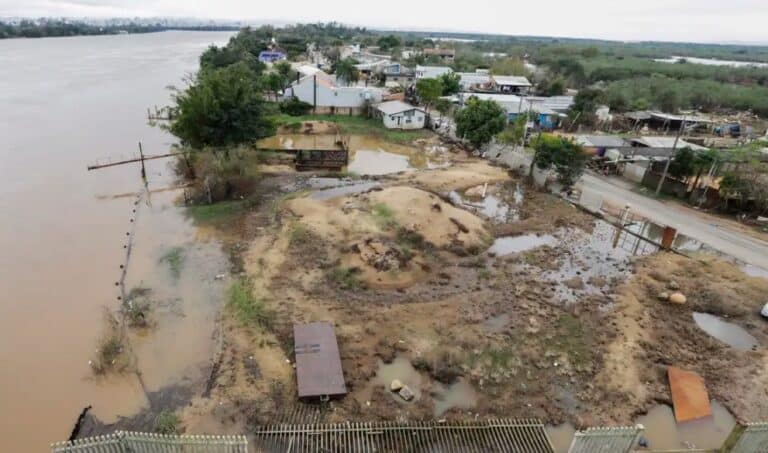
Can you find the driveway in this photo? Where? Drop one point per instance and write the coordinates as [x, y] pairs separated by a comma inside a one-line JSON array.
[[714, 232]]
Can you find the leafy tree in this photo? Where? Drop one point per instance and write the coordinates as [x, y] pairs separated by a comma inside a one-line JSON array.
[[510, 66], [563, 155], [389, 42], [222, 107], [668, 100], [514, 133], [429, 90], [590, 52], [703, 162], [345, 70], [285, 70], [571, 69], [584, 106], [480, 121], [451, 83], [443, 106], [552, 87], [683, 165]]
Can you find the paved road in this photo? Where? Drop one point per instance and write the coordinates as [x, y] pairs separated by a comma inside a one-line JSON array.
[[699, 226]]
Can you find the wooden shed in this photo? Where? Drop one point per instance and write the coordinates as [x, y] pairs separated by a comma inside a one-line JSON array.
[[318, 364]]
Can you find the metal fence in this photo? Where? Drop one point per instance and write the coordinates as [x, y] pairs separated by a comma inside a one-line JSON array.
[[606, 440], [130, 442], [754, 438], [503, 435]]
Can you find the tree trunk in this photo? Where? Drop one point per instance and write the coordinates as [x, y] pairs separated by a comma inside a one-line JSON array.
[[695, 183]]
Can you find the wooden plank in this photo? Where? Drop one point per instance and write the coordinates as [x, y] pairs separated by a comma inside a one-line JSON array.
[[689, 395]]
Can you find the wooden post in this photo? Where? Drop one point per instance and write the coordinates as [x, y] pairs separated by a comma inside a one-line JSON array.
[[668, 237]]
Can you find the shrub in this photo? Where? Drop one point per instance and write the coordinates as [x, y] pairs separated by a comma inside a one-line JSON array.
[[295, 107]]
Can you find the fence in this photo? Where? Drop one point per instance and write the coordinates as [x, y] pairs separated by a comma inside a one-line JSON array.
[[501, 435], [753, 438], [606, 440], [130, 442]]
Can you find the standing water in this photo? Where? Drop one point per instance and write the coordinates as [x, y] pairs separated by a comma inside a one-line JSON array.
[[65, 102]]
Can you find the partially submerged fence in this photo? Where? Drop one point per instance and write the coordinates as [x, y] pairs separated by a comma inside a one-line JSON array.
[[130, 442], [503, 435], [753, 438], [606, 440]]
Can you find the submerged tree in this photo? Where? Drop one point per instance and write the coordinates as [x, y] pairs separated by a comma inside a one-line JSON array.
[[221, 107], [480, 121]]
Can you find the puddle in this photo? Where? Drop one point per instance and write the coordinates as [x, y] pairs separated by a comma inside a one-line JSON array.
[[496, 324], [561, 437], [365, 162], [508, 245], [400, 369], [489, 206], [460, 395], [664, 433], [298, 141], [339, 191], [729, 333]]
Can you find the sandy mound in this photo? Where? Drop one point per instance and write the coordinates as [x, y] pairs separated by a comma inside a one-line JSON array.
[[457, 177]]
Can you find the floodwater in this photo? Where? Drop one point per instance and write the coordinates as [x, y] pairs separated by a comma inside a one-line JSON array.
[[65, 102], [754, 271], [515, 244], [369, 155], [713, 62], [727, 332], [664, 433]]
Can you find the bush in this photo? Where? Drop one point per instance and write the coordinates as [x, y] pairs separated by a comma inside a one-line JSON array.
[[295, 107], [167, 423], [249, 309]]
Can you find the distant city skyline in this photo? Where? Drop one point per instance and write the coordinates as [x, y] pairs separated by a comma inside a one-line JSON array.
[[707, 21]]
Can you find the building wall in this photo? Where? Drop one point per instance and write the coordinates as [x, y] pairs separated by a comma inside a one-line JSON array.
[[417, 118], [344, 97], [634, 173]]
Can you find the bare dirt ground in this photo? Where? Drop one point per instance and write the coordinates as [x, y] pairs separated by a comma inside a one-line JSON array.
[[404, 274]]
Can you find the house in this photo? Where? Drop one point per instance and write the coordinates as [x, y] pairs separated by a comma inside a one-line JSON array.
[[548, 112], [663, 143], [431, 72], [667, 121], [399, 115], [319, 374], [598, 145], [407, 54], [510, 84], [272, 56], [321, 91], [397, 74], [445, 55], [470, 80]]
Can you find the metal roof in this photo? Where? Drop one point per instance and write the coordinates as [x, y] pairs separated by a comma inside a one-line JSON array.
[[601, 141], [665, 142], [393, 107], [431, 72], [318, 364], [518, 81]]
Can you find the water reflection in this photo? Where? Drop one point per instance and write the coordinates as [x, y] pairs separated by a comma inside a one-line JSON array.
[[729, 333]]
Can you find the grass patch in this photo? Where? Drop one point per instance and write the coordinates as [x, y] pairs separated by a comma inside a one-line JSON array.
[[484, 274], [220, 212], [175, 259], [111, 354], [573, 341], [384, 216], [249, 309], [166, 422], [345, 277], [355, 125], [299, 235], [495, 363]]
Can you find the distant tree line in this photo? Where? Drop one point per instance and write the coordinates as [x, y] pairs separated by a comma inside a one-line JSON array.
[[61, 28]]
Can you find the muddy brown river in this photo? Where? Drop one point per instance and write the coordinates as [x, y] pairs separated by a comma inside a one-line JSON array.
[[65, 102]]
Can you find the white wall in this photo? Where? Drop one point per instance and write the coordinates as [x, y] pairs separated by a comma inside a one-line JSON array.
[[634, 172], [417, 120], [334, 97]]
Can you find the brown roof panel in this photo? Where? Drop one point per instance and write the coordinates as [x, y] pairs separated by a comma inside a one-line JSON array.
[[318, 364]]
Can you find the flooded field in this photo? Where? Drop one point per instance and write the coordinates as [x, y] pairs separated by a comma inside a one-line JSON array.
[[63, 244]]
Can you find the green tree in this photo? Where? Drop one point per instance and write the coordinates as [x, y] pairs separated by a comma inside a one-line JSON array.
[[552, 87], [286, 72], [480, 121], [590, 52], [584, 106], [510, 66], [683, 165], [703, 162], [668, 100], [443, 106], [514, 133], [388, 42], [563, 155], [451, 83], [429, 90], [345, 70], [222, 107]]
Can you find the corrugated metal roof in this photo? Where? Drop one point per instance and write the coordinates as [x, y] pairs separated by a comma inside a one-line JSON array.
[[601, 141], [666, 142], [318, 364], [518, 81], [431, 72], [393, 107]]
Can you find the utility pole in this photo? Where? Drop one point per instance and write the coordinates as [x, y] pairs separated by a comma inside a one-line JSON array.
[[143, 170], [669, 160]]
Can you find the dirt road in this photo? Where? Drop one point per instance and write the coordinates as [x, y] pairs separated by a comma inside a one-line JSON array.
[[714, 232]]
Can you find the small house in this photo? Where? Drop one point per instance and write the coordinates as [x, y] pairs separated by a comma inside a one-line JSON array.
[[471, 80], [510, 84], [272, 56], [431, 72], [321, 91], [445, 55], [399, 115]]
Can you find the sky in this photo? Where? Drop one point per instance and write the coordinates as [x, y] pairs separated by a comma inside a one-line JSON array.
[[668, 20]]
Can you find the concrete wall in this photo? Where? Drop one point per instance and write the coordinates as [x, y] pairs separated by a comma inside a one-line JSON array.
[[400, 120], [634, 173]]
